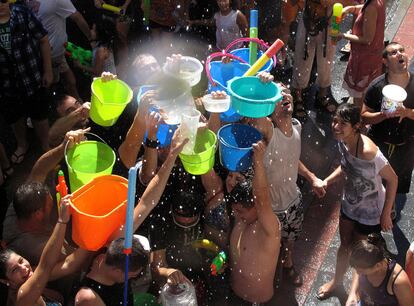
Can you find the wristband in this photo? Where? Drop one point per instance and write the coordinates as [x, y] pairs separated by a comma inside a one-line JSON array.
[[153, 144], [61, 222]]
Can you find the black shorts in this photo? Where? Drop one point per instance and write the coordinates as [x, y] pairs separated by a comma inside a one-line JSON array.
[[36, 106], [363, 228]]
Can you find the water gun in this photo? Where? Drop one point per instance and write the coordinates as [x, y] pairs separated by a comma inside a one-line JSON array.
[[273, 49], [75, 52], [254, 20], [113, 9], [147, 11], [61, 187], [218, 263], [336, 20], [205, 244]]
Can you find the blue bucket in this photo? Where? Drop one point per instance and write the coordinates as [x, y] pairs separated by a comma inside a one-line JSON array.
[[243, 53], [235, 146], [222, 73], [252, 98], [165, 131]]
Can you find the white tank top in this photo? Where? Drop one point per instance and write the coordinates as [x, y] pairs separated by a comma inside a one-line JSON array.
[[282, 161], [227, 29]]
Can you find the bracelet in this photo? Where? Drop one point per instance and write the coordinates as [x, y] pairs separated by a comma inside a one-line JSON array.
[[61, 222], [153, 144]]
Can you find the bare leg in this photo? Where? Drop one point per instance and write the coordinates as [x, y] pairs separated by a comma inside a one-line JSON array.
[[346, 230], [122, 47], [42, 132], [70, 83], [19, 130]]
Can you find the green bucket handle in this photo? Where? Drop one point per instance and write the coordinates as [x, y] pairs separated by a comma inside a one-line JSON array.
[[67, 143]]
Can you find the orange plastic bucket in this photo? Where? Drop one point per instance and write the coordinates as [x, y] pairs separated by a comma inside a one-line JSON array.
[[98, 209]]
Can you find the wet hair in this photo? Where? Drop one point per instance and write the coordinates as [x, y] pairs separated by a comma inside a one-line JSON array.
[[349, 113], [105, 32], [187, 203], [115, 256], [367, 253], [385, 52], [242, 193], [4, 258], [29, 198]]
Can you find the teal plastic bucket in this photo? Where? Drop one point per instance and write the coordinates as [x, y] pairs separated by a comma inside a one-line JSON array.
[[252, 98], [235, 146], [87, 160]]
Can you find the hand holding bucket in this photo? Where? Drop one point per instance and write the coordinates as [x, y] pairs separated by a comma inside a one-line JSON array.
[[393, 97]]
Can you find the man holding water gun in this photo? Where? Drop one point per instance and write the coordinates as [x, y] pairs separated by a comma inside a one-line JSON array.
[[53, 15]]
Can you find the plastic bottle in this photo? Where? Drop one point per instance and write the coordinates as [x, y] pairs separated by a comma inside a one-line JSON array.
[[178, 295]]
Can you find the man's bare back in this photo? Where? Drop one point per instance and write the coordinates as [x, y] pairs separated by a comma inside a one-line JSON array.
[[254, 259]]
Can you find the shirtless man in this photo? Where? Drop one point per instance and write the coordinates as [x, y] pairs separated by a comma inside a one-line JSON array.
[[255, 238]]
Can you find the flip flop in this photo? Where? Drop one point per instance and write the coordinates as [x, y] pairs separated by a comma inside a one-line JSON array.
[[18, 158]]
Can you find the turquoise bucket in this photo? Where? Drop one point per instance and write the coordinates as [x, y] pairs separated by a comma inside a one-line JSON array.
[[252, 98]]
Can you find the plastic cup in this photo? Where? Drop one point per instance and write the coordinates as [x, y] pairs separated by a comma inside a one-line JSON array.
[[186, 68], [393, 96], [188, 129], [216, 105]]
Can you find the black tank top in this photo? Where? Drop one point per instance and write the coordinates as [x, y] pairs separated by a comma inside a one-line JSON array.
[[110, 295]]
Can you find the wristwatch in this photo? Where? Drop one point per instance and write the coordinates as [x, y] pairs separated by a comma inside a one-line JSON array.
[[153, 144]]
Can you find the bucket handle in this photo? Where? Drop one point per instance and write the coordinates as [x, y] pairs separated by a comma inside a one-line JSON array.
[[219, 54], [67, 143], [260, 42]]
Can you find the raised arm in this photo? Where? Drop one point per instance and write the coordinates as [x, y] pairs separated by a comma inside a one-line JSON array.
[[128, 150], [261, 192], [155, 189], [71, 264], [150, 160], [30, 292], [48, 161]]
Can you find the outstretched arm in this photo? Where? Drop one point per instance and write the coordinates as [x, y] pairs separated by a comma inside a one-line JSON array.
[[155, 189], [261, 192], [128, 150], [48, 161], [31, 290], [317, 183]]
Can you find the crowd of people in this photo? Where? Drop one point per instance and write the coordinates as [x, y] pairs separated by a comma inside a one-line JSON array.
[[253, 216]]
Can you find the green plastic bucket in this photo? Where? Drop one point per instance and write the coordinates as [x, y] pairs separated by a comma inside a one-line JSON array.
[[202, 160], [87, 160], [145, 299], [108, 101]]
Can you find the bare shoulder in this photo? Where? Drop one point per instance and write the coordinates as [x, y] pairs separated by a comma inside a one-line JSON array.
[[87, 297], [369, 148]]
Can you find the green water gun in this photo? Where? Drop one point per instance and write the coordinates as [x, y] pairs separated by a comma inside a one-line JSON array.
[[218, 263], [75, 52], [336, 20], [147, 11]]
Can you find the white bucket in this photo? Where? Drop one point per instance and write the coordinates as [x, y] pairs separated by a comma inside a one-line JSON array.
[[216, 105], [185, 68], [393, 96]]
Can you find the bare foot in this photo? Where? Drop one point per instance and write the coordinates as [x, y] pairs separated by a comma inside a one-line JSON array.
[[326, 290]]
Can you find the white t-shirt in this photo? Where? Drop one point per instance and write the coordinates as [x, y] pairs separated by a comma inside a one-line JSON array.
[[227, 29], [282, 162], [52, 14]]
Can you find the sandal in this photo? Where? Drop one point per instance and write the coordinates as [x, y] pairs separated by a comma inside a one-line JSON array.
[[292, 276], [7, 172], [327, 103], [299, 110], [18, 158]]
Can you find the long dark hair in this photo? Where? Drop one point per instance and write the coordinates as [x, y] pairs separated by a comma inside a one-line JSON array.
[[367, 253]]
